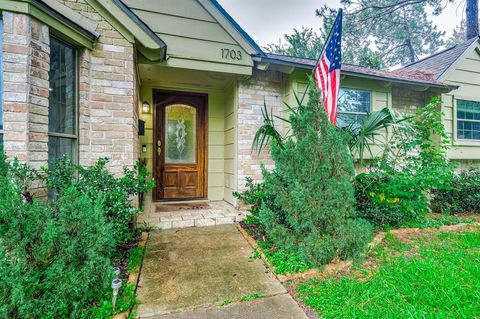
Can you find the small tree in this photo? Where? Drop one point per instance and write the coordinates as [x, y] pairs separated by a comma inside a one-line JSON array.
[[310, 207]]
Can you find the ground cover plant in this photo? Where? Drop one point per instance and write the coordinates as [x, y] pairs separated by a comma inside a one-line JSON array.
[[57, 255], [428, 277]]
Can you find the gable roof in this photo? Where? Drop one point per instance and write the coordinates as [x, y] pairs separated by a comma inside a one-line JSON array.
[[439, 63], [234, 23], [359, 71]]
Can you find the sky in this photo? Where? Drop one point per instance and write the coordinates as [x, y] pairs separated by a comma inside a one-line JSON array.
[[266, 21]]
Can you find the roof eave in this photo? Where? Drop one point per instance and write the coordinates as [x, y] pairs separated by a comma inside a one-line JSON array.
[[366, 76]]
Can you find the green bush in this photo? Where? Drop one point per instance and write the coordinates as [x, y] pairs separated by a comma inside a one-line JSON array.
[[309, 211], [462, 197], [390, 200], [414, 164], [97, 180], [55, 257]]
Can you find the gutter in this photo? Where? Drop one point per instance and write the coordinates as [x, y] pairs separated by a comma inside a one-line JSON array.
[[362, 75]]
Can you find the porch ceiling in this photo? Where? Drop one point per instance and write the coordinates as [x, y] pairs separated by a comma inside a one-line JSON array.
[[161, 76]]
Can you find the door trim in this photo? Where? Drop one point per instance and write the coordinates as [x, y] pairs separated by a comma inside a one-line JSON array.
[[204, 147]]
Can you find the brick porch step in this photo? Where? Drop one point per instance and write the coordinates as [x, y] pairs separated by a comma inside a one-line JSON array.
[[219, 213]]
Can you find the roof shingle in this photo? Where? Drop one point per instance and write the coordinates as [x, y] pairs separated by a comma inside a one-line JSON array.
[[438, 63]]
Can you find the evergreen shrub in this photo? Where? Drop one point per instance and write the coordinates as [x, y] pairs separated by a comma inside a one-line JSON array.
[[307, 203], [55, 257]]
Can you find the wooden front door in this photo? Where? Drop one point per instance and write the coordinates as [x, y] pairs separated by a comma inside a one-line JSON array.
[[180, 145]]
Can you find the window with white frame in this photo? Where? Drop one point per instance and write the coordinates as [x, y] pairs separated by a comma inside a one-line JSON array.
[[468, 120], [353, 106], [62, 111]]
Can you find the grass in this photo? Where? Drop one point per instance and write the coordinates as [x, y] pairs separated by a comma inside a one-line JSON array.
[[283, 261], [251, 297], [431, 277], [135, 257], [436, 221], [226, 302]]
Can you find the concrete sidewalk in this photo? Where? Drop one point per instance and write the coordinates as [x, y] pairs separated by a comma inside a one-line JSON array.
[[188, 273]]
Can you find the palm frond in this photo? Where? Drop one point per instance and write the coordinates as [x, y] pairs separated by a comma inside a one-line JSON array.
[[362, 136], [267, 132]]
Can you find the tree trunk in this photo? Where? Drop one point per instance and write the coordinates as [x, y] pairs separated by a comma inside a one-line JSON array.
[[472, 19], [411, 51]]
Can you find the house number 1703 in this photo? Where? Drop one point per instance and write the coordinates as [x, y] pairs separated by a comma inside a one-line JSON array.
[[229, 54]]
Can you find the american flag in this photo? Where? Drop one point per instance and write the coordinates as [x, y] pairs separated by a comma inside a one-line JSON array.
[[327, 71]]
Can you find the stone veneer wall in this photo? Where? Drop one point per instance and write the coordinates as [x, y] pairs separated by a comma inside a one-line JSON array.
[[26, 63], [252, 93], [108, 110]]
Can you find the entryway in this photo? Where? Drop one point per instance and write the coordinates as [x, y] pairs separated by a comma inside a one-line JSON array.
[[180, 141], [209, 273]]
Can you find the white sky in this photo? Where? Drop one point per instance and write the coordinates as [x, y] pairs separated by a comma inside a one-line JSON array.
[[267, 20]]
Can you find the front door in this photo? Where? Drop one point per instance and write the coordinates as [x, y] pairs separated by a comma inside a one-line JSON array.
[[180, 142]]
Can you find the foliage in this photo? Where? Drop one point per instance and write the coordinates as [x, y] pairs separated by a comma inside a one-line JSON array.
[[126, 300], [462, 197], [254, 195], [305, 43], [414, 163], [459, 34], [284, 262], [414, 282], [135, 258], [389, 199], [251, 296], [266, 132], [309, 211], [438, 221], [361, 136], [55, 257], [400, 35], [226, 302], [96, 180]]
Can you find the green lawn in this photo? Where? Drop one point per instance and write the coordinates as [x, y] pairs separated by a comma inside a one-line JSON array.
[[431, 277]]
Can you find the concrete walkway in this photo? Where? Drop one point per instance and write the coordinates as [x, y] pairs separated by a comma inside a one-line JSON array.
[[188, 273]]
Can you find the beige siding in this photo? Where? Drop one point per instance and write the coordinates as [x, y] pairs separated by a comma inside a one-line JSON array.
[[191, 34], [230, 159], [465, 74]]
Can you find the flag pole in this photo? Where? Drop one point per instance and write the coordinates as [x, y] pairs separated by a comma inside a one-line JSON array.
[[321, 52]]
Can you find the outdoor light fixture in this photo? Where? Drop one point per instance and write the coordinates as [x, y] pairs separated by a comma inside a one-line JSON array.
[[145, 107], [116, 284], [116, 271]]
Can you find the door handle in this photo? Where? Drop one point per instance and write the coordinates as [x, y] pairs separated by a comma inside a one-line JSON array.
[[159, 147]]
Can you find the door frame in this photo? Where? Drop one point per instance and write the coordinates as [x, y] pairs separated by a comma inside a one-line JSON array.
[[203, 164]]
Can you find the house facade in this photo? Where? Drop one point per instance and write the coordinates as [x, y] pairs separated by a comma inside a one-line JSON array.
[[180, 85]]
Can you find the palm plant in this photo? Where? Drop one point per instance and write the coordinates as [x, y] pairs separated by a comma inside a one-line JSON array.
[[361, 136]]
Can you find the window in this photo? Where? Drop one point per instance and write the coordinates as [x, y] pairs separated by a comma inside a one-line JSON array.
[[468, 120], [62, 112], [353, 106]]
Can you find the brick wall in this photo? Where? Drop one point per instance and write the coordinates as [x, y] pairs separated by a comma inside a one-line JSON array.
[[108, 115], [26, 63], [406, 100], [252, 93]]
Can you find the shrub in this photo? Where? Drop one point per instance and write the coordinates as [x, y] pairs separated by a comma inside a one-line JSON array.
[[55, 257], [462, 197], [97, 180], [414, 163], [389, 199], [310, 208]]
